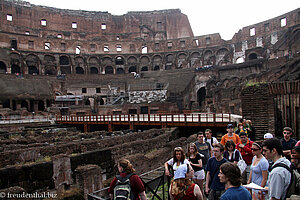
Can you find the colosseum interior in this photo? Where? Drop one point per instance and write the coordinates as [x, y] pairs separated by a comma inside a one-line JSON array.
[[56, 62]]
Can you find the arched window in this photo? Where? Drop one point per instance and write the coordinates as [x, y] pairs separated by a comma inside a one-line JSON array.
[[201, 94], [41, 105], [94, 70], [252, 56], [156, 68], [33, 70], [64, 60], [79, 70], [15, 69], [109, 70], [2, 68], [145, 68], [120, 71], [132, 69]]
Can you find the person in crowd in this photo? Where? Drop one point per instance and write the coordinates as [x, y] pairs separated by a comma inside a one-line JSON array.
[[288, 142], [258, 170], [295, 159], [231, 154], [182, 188], [250, 130], [298, 143], [268, 136], [230, 136], [210, 139], [230, 175], [279, 177], [213, 187], [176, 161], [241, 129], [195, 160], [125, 168], [203, 147], [245, 148]]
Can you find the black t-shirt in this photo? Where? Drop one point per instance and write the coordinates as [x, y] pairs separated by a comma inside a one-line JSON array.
[[196, 161]]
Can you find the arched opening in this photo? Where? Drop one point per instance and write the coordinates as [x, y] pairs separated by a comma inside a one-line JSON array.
[[252, 56], [145, 68], [33, 70], [24, 104], [156, 68], [119, 60], [201, 94], [94, 70], [120, 70], [101, 102], [48, 103], [79, 70], [41, 105], [64, 60], [50, 70], [109, 70], [132, 69], [87, 102], [240, 60], [2, 68], [15, 69]]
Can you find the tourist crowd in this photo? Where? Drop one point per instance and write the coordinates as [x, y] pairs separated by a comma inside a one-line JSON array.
[[236, 168]]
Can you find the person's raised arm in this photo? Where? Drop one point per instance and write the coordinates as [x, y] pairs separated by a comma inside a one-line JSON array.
[[167, 172]]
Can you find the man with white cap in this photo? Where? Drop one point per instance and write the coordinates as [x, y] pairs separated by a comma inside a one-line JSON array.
[[190, 191], [268, 136]]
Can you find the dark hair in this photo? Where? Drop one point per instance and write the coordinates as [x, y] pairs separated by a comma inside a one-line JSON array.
[[243, 134], [126, 165], [232, 173], [208, 130], [273, 143], [188, 151], [176, 149], [296, 149], [220, 146], [200, 133], [288, 129], [228, 144]]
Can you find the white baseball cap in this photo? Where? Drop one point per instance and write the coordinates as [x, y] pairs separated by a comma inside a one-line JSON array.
[[268, 136]]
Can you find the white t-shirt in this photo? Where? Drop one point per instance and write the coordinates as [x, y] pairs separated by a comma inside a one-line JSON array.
[[214, 140], [175, 166]]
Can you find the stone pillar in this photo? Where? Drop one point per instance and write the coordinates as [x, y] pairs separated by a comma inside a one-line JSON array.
[[62, 174], [89, 178]]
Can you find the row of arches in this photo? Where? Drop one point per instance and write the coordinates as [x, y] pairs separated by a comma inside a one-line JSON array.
[[29, 105], [118, 64]]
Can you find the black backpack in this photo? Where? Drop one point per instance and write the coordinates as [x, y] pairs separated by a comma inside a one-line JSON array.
[[122, 190], [292, 189]]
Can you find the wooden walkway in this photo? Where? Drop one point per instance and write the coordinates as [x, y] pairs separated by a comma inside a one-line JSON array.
[[162, 120]]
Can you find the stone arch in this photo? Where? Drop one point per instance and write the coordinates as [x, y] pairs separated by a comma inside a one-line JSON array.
[[252, 56], [109, 70], [15, 69], [33, 70], [182, 60], [156, 68], [132, 60], [207, 57], [132, 69], [120, 61], [169, 61], [79, 70], [3, 68], [101, 102], [201, 94], [144, 60], [94, 70], [65, 65], [221, 55], [120, 70], [41, 105], [50, 65], [79, 62], [93, 63], [107, 61], [195, 59], [145, 68]]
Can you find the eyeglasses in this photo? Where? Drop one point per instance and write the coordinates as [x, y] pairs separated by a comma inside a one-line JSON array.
[[286, 132], [254, 149]]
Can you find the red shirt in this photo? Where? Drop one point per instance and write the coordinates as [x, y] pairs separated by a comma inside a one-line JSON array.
[[246, 152], [136, 184], [189, 195]]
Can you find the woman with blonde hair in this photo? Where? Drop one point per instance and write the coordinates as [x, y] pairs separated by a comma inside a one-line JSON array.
[[126, 170], [182, 188], [195, 159]]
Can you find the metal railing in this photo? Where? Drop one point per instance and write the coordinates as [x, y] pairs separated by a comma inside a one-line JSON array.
[[22, 120], [152, 180]]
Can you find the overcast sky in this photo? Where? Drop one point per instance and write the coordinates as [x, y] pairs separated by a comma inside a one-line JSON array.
[[206, 16]]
